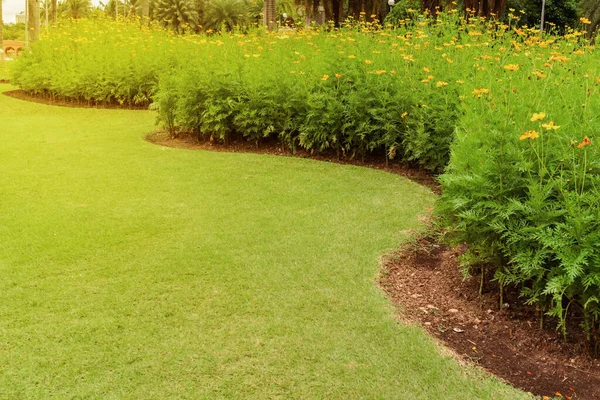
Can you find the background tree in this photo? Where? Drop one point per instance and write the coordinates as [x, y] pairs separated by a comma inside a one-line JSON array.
[[256, 9], [591, 10], [53, 11], [14, 32], [226, 14], [109, 8], [559, 12], [74, 8], [179, 15], [487, 7], [1, 33], [146, 8], [33, 19]]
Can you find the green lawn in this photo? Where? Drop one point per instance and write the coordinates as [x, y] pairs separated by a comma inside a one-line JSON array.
[[135, 271]]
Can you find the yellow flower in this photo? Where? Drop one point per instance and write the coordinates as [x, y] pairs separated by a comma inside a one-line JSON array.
[[585, 21], [460, 82], [550, 126], [538, 116], [426, 69], [425, 80], [511, 67], [441, 84], [404, 114], [368, 62], [351, 57], [579, 52], [325, 77], [529, 135], [380, 71], [540, 75], [479, 92], [338, 76]]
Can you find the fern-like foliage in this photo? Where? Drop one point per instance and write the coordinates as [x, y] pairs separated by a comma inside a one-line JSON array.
[[225, 14]]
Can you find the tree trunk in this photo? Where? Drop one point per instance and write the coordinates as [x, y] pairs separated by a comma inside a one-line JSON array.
[[53, 11], [1, 34], [308, 6], [34, 20], [354, 8], [328, 10], [145, 8], [270, 16], [430, 6]]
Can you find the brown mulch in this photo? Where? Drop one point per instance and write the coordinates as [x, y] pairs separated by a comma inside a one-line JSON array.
[[424, 280], [4, 80], [273, 147], [73, 103]]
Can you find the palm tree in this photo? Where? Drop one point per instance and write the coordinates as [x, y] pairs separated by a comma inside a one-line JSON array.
[[74, 8], [179, 15], [111, 8], [226, 14]]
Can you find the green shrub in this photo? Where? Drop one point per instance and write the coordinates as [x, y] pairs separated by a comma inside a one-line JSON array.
[[523, 186]]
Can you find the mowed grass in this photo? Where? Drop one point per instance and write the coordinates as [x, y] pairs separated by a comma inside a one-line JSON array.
[[130, 270]]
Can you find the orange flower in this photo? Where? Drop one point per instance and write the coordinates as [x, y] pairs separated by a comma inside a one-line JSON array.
[[479, 92], [585, 142]]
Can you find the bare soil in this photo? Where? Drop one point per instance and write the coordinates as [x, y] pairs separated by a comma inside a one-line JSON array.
[[273, 147], [66, 102], [424, 281]]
